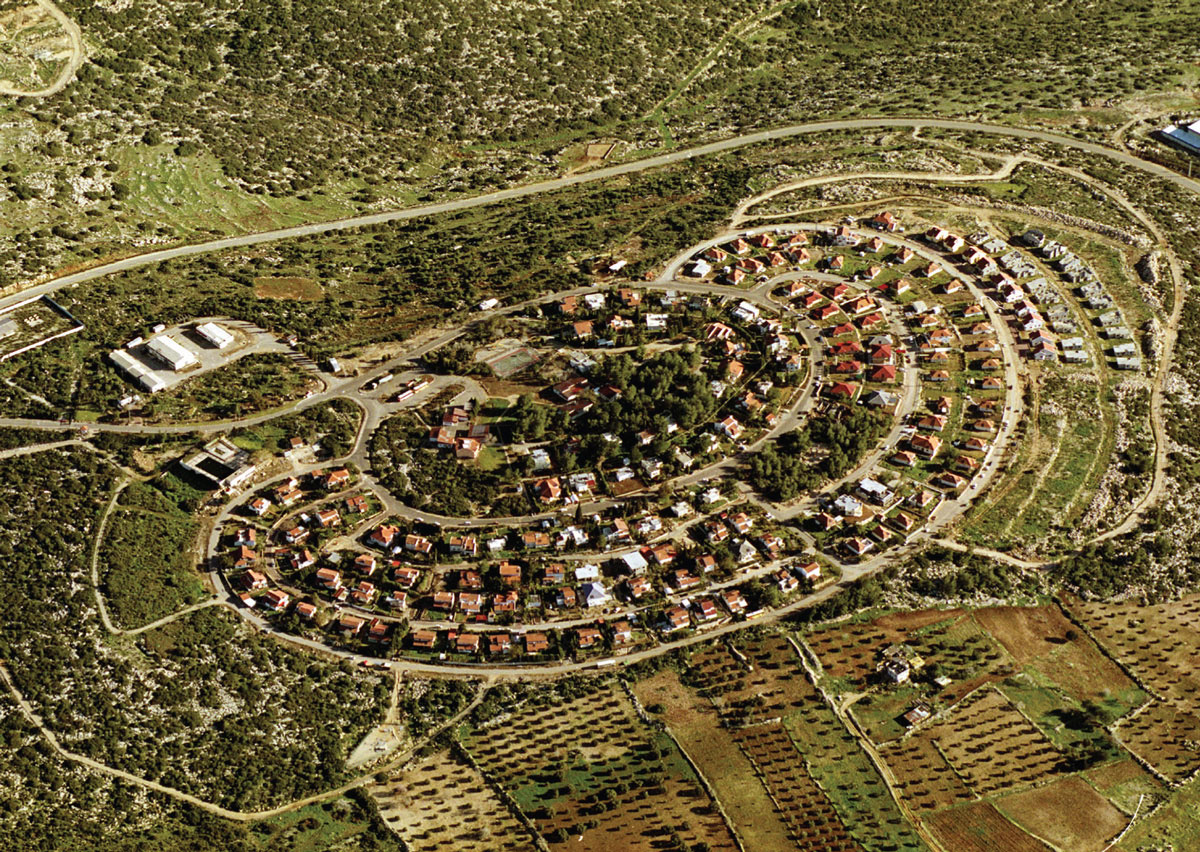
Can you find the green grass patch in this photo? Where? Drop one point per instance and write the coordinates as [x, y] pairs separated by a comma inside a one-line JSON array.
[[145, 564]]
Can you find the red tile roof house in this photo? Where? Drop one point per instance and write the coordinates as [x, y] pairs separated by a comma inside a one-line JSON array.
[[510, 573], [276, 600], [350, 625], [900, 286], [763, 241], [418, 544], [260, 505], [926, 446], [378, 631], [733, 600], [536, 643], [424, 639], [499, 643], [406, 576], [443, 601], [364, 593], [383, 536], [884, 220], [587, 636], [253, 581], [705, 610], [329, 518], [682, 580], [548, 490], [329, 578], [467, 643], [638, 587], [843, 389], [883, 373], [741, 522], [306, 610], [336, 479], [675, 618], [622, 633], [949, 480], [303, 559], [470, 602]]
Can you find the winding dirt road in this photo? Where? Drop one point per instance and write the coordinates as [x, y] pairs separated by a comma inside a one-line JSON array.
[[75, 38]]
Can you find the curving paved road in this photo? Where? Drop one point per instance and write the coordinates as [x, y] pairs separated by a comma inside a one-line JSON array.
[[374, 410], [633, 167]]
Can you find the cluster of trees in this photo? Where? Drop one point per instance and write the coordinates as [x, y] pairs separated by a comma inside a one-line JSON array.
[[783, 470], [242, 79], [667, 386], [434, 480], [146, 560]]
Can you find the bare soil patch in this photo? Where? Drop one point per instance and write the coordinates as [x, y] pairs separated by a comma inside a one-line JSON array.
[[293, 288], [981, 828], [1067, 813]]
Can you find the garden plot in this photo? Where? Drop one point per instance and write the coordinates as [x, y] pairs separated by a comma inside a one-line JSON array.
[[694, 724], [445, 804], [1067, 813], [774, 705], [992, 746], [591, 771], [1158, 644], [981, 828]]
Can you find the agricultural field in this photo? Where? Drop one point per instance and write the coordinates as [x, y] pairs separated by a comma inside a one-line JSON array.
[[1153, 643], [1068, 813], [591, 772], [991, 746], [800, 750], [444, 803], [693, 721], [979, 827]]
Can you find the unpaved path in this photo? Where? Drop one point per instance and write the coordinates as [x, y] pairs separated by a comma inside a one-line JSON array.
[[75, 37]]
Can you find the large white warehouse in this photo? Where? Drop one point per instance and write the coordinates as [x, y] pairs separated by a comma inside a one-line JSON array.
[[168, 350]]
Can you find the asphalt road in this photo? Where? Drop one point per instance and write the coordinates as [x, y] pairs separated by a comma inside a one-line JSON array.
[[605, 173]]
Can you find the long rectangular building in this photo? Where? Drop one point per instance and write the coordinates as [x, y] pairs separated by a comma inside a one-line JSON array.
[[1186, 136], [215, 334], [168, 350], [137, 371]]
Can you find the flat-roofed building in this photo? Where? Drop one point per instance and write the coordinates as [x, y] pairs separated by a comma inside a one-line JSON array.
[[168, 350], [215, 334]]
